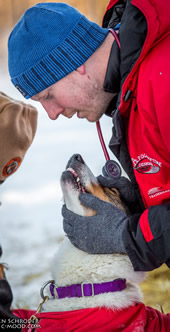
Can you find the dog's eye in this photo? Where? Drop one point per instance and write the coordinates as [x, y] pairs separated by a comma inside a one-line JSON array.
[[114, 191]]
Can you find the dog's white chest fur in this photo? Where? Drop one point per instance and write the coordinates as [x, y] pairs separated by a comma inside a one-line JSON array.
[[73, 266]]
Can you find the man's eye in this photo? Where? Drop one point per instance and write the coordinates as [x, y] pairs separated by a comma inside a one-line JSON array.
[[47, 96]]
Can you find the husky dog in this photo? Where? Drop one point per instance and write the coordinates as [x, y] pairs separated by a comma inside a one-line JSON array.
[[73, 268]]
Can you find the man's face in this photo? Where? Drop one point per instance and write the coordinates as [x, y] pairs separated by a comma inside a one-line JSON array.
[[74, 94]]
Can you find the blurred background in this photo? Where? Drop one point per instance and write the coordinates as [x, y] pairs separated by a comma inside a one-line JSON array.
[[11, 10], [31, 200]]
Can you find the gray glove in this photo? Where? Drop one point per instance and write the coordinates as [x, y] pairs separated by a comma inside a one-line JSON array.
[[99, 234], [126, 190]]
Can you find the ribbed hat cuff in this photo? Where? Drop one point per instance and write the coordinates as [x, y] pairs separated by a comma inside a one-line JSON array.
[[77, 47]]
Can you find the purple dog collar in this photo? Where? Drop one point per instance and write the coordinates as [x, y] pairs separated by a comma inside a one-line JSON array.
[[89, 289]]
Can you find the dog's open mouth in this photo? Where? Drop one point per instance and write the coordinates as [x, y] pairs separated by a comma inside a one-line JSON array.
[[80, 187]]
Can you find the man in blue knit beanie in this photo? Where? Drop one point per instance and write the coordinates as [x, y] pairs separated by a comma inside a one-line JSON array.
[[53, 42], [73, 66]]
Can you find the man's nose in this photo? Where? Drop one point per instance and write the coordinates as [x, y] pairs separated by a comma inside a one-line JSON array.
[[53, 110]]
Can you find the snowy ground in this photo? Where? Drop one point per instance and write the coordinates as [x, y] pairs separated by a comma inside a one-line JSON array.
[[31, 221]]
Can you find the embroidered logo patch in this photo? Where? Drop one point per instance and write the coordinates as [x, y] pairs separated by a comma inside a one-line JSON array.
[[11, 166], [157, 191], [146, 165]]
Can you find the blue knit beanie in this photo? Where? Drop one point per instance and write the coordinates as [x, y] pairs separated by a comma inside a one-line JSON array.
[[50, 41]]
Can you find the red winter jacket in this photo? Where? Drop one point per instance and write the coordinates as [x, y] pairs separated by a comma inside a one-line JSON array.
[[136, 318], [144, 106]]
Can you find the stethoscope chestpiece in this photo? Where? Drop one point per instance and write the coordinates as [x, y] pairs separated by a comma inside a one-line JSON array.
[[112, 169]]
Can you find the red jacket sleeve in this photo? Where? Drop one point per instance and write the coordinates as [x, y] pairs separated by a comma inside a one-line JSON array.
[[146, 238]]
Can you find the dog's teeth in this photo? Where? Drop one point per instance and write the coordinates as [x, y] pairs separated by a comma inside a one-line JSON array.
[[79, 185], [69, 169]]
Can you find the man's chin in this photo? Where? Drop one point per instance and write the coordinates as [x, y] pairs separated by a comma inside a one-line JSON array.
[[81, 116], [88, 117]]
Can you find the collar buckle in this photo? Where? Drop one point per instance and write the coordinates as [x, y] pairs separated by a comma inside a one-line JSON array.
[[82, 289]]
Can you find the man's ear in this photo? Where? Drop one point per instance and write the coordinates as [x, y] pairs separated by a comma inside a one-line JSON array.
[[81, 70]]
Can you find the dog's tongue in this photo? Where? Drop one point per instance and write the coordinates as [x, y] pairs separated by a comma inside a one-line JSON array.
[[80, 186]]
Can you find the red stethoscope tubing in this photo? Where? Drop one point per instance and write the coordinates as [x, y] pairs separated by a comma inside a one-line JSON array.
[[98, 123], [102, 140]]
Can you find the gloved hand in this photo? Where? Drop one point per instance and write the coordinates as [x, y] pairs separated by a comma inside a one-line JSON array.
[[126, 190], [99, 234]]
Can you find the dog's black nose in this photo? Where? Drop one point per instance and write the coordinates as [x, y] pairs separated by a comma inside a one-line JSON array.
[[78, 157], [74, 159]]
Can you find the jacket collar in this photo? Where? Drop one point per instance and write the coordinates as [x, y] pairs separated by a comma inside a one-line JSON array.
[[113, 78], [132, 40]]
